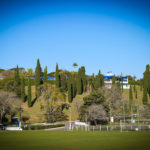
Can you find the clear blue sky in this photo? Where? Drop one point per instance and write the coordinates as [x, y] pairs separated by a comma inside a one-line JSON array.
[[110, 35]]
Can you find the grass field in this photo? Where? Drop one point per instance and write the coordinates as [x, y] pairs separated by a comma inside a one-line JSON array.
[[74, 140]]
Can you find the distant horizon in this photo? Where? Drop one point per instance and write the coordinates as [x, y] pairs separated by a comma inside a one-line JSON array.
[[106, 35]]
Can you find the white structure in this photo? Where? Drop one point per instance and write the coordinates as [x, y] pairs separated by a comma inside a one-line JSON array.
[[13, 128], [108, 80], [78, 123]]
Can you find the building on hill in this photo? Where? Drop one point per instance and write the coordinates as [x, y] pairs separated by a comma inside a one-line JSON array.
[[123, 80], [50, 78]]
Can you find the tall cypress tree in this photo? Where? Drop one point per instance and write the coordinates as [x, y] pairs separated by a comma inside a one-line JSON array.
[[38, 73], [141, 85], [45, 74], [17, 81], [146, 79], [113, 80], [83, 78], [74, 84], [70, 90], [22, 89], [29, 93], [79, 82], [130, 95], [145, 98], [57, 77], [99, 79]]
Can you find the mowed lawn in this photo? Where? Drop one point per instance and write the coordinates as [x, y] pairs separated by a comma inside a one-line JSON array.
[[74, 140]]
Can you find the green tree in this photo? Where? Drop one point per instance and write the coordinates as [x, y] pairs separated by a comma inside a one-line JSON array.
[[99, 79], [22, 89], [113, 80], [57, 76], [83, 78], [145, 98], [75, 65], [79, 82], [70, 90], [130, 95], [38, 73], [29, 93], [30, 72], [146, 79], [45, 74], [17, 81]]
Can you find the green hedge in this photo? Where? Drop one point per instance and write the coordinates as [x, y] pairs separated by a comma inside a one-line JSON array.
[[40, 127]]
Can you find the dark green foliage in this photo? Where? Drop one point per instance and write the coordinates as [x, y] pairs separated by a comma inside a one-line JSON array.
[[45, 74], [145, 97], [93, 98], [92, 82], [141, 85], [130, 95], [29, 93], [83, 77], [74, 84], [17, 82], [64, 82], [57, 76], [17, 77], [22, 89], [38, 73], [99, 80], [70, 90], [75, 64], [81, 81], [146, 79], [9, 85], [114, 80]]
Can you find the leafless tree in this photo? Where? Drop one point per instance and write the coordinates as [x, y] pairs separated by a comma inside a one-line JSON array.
[[51, 99], [144, 112], [97, 113], [9, 103], [77, 104], [115, 100]]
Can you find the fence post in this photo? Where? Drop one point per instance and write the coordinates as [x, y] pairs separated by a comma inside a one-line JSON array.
[[100, 127], [107, 128]]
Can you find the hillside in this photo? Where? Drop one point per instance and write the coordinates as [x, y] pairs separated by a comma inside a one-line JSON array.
[[35, 113]]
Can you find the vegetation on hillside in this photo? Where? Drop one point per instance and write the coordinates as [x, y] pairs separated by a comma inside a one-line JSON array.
[[86, 96]]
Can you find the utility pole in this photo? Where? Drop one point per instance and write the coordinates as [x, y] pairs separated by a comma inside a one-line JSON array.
[[138, 115], [70, 127], [124, 115], [110, 112]]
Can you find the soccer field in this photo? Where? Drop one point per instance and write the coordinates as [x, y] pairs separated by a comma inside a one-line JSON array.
[[73, 140]]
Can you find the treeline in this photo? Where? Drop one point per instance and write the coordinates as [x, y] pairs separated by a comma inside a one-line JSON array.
[[146, 84], [72, 82]]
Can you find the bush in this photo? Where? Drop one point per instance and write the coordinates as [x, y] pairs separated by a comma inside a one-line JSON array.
[[40, 127]]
